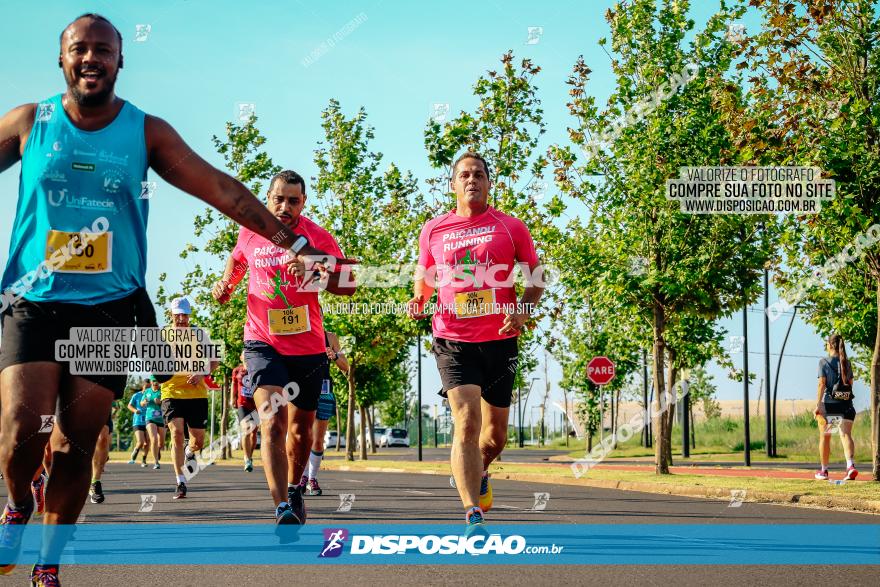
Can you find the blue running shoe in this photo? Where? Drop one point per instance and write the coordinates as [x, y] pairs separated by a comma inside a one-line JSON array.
[[485, 493], [475, 522], [12, 524]]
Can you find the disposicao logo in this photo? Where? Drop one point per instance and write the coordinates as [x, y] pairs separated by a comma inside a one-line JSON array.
[[334, 540]]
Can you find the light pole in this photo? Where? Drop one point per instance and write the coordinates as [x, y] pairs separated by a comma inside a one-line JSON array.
[[520, 410], [419, 370]]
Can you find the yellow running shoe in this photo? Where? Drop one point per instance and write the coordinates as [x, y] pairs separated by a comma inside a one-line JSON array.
[[485, 493]]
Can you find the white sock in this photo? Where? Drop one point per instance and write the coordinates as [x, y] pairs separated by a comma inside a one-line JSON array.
[[315, 464], [849, 464], [181, 479]]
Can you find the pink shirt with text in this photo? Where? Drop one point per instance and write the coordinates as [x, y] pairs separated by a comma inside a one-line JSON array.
[[470, 261], [279, 313]]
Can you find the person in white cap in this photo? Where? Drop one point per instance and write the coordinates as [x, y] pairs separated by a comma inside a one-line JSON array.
[[185, 401]]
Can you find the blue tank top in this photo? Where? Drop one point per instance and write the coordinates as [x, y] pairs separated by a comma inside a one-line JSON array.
[[80, 230]]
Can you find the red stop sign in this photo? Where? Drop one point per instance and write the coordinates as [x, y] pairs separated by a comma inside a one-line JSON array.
[[600, 370]]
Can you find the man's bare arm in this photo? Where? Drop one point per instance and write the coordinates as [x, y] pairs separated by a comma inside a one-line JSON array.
[[180, 166], [15, 126]]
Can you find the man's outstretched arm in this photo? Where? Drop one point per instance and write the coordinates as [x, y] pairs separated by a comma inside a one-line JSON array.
[[182, 167]]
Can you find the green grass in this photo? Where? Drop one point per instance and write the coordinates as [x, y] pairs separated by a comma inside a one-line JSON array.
[[805, 486], [722, 439]]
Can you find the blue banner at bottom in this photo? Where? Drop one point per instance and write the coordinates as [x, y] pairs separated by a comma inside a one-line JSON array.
[[534, 544]]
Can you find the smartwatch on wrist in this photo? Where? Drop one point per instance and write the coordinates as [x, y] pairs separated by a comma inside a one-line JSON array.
[[299, 244]]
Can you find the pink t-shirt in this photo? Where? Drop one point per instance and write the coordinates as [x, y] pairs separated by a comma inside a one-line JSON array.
[[470, 261], [279, 313]]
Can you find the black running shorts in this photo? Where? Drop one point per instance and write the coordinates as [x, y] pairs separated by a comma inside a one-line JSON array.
[[193, 411], [30, 330], [268, 367], [490, 365]]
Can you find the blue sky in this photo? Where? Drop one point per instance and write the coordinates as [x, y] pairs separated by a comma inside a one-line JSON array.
[[201, 59]]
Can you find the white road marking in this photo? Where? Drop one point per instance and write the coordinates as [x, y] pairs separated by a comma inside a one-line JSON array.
[[506, 507], [417, 492], [352, 481]]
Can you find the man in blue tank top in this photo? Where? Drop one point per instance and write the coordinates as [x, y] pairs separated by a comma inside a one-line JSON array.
[[77, 258]]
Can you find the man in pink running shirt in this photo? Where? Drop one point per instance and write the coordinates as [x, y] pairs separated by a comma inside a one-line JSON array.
[[284, 339], [469, 255]]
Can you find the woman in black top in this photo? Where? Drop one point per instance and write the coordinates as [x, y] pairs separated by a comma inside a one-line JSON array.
[[833, 413]]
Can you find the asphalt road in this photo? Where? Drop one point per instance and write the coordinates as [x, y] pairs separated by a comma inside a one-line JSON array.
[[223, 494]]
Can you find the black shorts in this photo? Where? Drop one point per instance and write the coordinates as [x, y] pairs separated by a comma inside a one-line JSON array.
[[490, 365], [268, 367], [845, 409], [244, 412], [30, 330], [193, 411], [141, 427], [110, 423]]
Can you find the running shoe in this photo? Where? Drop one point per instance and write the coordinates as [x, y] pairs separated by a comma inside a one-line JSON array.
[[248, 465], [12, 524], [303, 481], [284, 514], [297, 505], [475, 523], [851, 474], [822, 475], [96, 493], [187, 455], [485, 493], [156, 467], [181, 491], [131, 461], [45, 576], [38, 488], [144, 465], [312, 487]]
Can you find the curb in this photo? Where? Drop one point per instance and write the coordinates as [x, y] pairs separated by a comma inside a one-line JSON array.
[[772, 497]]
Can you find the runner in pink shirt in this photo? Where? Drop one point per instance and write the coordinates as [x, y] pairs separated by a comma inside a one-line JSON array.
[[284, 338], [469, 255]]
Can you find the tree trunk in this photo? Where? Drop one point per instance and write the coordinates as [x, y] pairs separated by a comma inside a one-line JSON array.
[[363, 428], [338, 430], [349, 424], [693, 428], [372, 430], [613, 422], [673, 393], [661, 438], [227, 448], [875, 396]]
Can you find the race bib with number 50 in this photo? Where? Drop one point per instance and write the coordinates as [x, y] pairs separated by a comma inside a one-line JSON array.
[[67, 252]]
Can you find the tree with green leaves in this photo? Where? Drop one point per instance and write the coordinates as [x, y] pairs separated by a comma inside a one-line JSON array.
[[814, 99], [243, 154], [505, 129], [376, 215], [659, 118]]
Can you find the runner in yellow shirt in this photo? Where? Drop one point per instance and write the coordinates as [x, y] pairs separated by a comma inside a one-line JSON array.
[[185, 400]]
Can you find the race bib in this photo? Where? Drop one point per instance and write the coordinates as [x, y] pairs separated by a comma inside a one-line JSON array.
[[473, 304], [246, 389], [289, 321], [66, 252]]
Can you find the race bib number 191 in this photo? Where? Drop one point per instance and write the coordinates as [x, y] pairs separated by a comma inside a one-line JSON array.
[[289, 321]]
